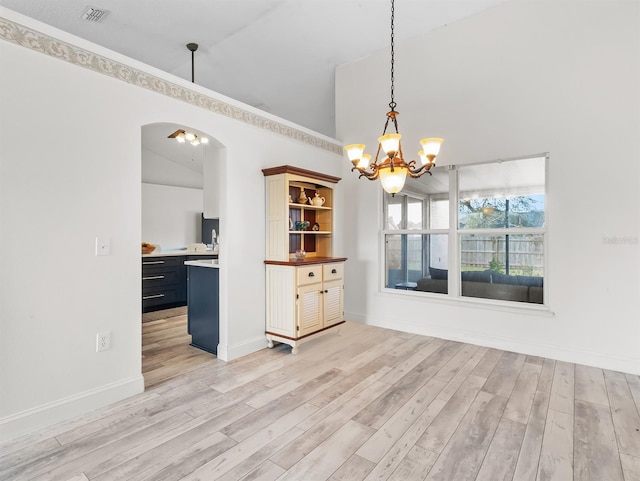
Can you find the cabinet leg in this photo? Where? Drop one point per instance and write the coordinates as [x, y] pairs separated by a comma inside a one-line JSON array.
[[294, 350], [270, 343]]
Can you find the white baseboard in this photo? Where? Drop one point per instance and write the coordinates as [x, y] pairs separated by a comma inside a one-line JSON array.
[[355, 316], [229, 353], [30, 420]]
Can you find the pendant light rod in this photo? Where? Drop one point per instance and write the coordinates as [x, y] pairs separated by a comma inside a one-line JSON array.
[[193, 47]]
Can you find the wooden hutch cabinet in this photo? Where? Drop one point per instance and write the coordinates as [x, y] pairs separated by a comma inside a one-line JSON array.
[[305, 297]]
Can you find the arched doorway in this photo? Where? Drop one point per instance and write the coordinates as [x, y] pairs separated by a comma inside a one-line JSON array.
[[180, 209]]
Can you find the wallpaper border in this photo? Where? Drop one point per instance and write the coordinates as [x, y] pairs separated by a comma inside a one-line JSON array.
[[39, 42]]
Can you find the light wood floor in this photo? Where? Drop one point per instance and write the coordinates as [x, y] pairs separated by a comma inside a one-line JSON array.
[[369, 404], [166, 352]]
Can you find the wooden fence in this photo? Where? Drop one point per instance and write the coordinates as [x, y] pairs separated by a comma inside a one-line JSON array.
[[526, 253], [478, 252]]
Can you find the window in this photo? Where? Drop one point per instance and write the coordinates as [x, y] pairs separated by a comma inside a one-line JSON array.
[[499, 232], [416, 233]]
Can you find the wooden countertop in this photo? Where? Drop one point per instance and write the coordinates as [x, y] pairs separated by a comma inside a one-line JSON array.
[[308, 261]]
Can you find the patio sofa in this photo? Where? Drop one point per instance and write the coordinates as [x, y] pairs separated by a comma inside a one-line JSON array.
[[488, 285]]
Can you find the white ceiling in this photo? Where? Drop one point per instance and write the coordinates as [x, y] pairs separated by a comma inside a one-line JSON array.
[[277, 55], [155, 139]]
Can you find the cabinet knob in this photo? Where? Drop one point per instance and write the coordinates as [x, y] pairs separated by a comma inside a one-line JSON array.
[[333, 271], [311, 274], [326, 292]]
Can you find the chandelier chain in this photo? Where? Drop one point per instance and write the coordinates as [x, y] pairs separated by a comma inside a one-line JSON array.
[[393, 169], [392, 104]]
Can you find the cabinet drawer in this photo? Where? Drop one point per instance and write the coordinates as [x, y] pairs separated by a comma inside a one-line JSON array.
[[309, 275], [332, 271], [156, 296], [160, 262], [160, 278]]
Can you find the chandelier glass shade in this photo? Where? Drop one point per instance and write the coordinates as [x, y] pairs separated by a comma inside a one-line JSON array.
[[392, 169]]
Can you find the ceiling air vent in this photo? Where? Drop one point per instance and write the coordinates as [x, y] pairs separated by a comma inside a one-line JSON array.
[[93, 14]]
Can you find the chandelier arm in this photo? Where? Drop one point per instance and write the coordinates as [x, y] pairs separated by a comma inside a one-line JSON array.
[[364, 173], [370, 175], [418, 173]]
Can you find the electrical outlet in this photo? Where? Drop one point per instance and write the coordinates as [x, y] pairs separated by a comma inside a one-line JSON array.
[[103, 341]]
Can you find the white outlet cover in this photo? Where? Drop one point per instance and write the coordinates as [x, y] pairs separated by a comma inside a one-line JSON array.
[[103, 341], [103, 246]]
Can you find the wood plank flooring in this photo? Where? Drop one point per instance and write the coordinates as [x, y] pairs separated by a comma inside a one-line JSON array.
[[367, 404], [166, 352]]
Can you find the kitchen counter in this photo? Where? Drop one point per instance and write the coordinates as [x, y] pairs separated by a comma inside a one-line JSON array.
[[180, 252], [210, 263]]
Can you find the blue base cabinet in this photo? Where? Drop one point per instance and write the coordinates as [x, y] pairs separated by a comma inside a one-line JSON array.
[[164, 280], [203, 301]]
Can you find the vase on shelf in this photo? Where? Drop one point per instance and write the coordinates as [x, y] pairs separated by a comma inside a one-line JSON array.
[[303, 197], [302, 225]]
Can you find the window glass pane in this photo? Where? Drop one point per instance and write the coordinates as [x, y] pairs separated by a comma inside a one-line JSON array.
[[505, 267], [502, 194], [413, 259], [414, 213], [393, 258], [434, 190], [435, 274], [394, 212], [438, 213]]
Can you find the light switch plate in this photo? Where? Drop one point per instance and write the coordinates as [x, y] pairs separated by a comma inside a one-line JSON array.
[[103, 246]]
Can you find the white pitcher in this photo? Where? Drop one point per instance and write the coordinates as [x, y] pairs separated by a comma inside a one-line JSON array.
[[317, 200]]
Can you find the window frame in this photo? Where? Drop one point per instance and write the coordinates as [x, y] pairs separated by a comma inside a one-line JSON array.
[[406, 194], [454, 255]]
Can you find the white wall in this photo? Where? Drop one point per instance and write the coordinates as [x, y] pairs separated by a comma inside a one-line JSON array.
[[522, 78], [171, 216], [211, 183], [55, 295], [157, 169]]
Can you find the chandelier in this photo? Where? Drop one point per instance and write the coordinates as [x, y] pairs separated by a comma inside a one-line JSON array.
[[392, 170], [183, 136]]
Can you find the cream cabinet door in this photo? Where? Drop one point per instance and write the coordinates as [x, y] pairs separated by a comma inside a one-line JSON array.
[[332, 302], [309, 309]]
